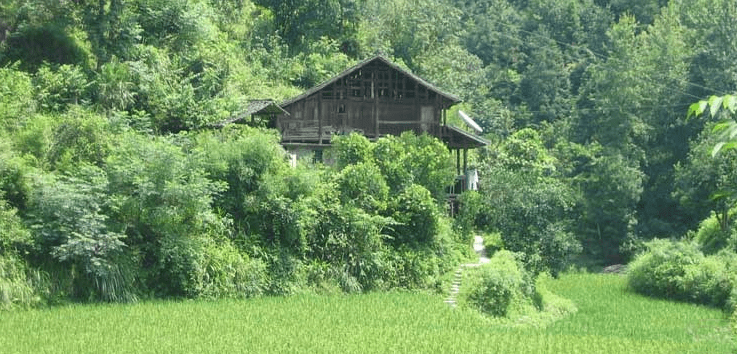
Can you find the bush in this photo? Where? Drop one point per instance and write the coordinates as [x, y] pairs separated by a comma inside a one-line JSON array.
[[349, 239], [708, 282], [659, 271], [210, 267], [14, 181], [163, 198], [70, 226], [16, 288], [465, 220], [14, 236], [679, 271], [711, 237], [363, 185], [227, 273], [412, 269], [492, 243], [417, 216], [351, 149], [16, 98], [287, 275], [322, 277], [500, 287], [420, 159]]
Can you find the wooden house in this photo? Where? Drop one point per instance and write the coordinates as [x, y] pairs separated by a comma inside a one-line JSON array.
[[374, 98]]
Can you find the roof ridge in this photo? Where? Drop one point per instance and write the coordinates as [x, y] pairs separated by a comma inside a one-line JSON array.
[[361, 64]]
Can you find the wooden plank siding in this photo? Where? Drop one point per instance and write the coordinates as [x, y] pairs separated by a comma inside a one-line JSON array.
[[374, 98]]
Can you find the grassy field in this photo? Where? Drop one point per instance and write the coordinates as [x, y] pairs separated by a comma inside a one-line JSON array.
[[609, 320]]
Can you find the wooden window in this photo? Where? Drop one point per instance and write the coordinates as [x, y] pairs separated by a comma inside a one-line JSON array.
[[354, 87], [317, 157], [410, 90], [328, 94]]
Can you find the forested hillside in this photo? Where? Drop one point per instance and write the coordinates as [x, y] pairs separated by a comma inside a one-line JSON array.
[[113, 187]]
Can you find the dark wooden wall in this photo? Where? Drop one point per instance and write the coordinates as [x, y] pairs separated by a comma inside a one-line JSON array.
[[374, 100]]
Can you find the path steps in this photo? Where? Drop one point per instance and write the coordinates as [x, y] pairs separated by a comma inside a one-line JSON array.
[[455, 288]]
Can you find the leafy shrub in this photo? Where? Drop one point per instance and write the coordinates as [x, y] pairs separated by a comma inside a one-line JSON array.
[[34, 139], [557, 248], [492, 243], [16, 98], [465, 220], [711, 236], [415, 159], [679, 271], [162, 197], [14, 236], [59, 87], [500, 287], [16, 288], [229, 273], [412, 269], [287, 274], [322, 277], [708, 282], [14, 181], [80, 136], [351, 149], [70, 225], [210, 266], [659, 271], [258, 193], [276, 221], [351, 240], [417, 216], [363, 185]]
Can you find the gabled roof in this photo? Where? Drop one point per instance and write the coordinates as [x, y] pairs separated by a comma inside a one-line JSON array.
[[429, 86], [257, 107]]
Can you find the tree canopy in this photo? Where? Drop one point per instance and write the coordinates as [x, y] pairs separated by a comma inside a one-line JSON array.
[[111, 180]]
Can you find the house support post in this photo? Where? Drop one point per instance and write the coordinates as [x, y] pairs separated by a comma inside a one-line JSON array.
[[458, 161], [319, 116], [465, 161]]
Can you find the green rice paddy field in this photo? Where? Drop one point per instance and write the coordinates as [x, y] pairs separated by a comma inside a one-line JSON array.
[[609, 320]]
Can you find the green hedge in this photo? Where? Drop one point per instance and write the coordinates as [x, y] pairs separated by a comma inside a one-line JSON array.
[[679, 271]]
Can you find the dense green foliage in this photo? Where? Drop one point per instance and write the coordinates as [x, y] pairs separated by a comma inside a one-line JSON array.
[[679, 270], [502, 288], [510, 295], [113, 188]]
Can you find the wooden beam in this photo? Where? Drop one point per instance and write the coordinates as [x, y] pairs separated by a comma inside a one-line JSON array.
[[376, 101], [465, 161], [458, 161], [390, 122], [319, 116]]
